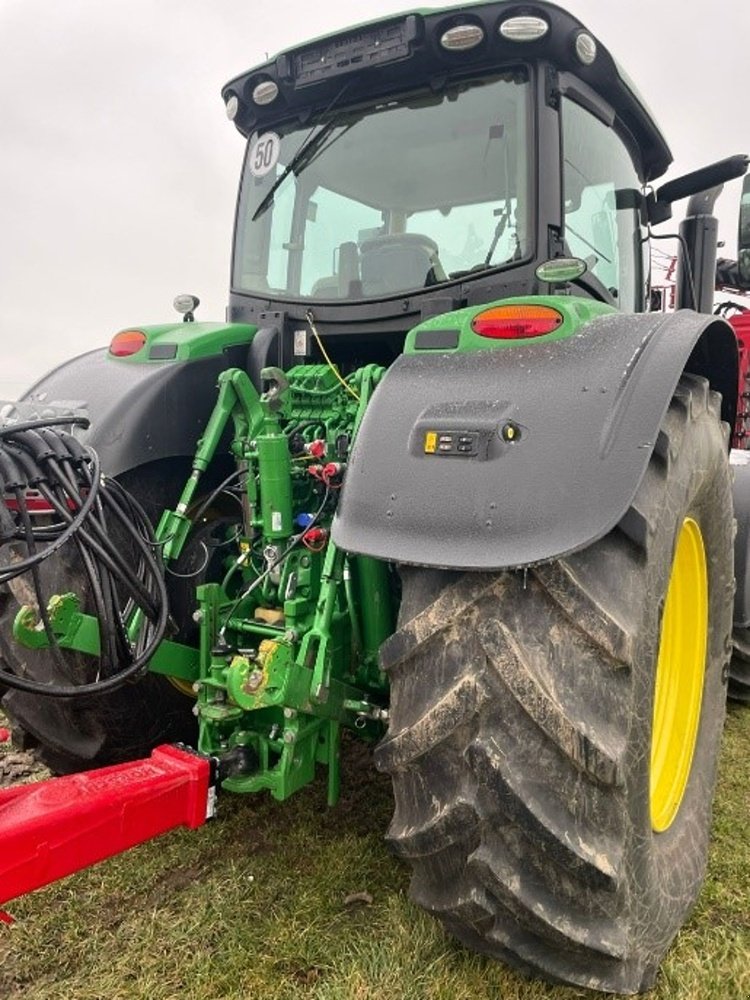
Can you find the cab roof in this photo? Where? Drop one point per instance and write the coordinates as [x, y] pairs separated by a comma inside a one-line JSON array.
[[403, 52]]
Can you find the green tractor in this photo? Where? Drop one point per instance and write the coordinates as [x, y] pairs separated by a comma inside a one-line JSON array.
[[440, 479]]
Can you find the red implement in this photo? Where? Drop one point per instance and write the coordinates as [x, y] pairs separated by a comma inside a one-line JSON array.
[[53, 828], [741, 324]]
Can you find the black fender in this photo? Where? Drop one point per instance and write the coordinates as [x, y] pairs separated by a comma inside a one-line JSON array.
[[557, 436], [139, 412]]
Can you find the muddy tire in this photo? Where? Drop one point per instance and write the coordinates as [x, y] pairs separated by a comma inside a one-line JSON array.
[[78, 734], [522, 707]]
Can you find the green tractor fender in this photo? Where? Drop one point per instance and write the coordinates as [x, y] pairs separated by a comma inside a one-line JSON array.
[[511, 456], [152, 404]]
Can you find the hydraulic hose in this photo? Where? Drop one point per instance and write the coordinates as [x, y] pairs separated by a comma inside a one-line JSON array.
[[41, 459]]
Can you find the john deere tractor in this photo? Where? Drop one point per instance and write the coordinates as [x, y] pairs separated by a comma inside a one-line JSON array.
[[440, 478]]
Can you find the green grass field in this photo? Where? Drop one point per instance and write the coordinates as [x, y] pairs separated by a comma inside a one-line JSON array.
[[255, 905]]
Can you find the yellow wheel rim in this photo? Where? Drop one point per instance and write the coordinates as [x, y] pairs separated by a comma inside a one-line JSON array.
[[680, 670], [184, 687]]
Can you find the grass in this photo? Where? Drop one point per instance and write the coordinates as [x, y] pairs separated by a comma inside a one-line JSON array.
[[254, 905]]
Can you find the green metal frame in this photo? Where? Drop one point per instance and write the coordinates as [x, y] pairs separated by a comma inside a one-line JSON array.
[[286, 658]]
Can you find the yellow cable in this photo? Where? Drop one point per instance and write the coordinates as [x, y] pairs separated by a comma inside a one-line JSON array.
[[331, 365]]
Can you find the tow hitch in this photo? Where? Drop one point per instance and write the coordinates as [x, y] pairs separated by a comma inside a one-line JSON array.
[[50, 829]]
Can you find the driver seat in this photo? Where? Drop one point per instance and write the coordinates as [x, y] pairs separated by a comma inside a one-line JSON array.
[[394, 263]]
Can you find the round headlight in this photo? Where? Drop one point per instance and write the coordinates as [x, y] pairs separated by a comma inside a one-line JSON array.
[[523, 28], [585, 48], [232, 107], [265, 92], [462, 37], [186, 303]]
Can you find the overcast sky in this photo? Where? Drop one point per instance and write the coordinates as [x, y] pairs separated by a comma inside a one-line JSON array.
[[118, 167]]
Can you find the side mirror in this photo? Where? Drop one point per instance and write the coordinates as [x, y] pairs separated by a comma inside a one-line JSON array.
[[699, 181], [743, 237]]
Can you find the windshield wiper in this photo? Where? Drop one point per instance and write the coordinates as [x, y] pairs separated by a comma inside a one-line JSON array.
[[297, 163], [305, 153], [502, 222]]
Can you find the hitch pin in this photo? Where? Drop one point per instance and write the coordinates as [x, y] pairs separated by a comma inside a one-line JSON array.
[[364, 711]]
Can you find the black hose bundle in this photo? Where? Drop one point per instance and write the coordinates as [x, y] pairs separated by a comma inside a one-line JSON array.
[[93, 513]]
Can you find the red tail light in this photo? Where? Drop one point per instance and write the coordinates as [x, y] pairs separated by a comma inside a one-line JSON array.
[[516, 322], [127, 342]]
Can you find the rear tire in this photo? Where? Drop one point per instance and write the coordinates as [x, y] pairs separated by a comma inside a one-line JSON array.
[[76, 734], [521, 727], [739, 668]]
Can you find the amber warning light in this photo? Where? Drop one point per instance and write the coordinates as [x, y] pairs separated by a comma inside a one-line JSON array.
[[516, 322], [127, 342]]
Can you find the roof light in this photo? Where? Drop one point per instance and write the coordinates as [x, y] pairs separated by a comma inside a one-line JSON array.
[[585, 48], [265, 92], [462, 37], [516, 322], [523, 28], [561, 270], [127, 342], [232, 107]]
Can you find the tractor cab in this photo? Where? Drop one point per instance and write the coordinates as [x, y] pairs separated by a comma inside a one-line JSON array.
[[435, 160]]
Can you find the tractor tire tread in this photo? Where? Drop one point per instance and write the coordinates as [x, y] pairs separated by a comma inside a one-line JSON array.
[[512, 780]]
